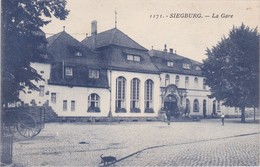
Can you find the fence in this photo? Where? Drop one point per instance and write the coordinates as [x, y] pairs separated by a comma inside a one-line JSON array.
[[7, 149]]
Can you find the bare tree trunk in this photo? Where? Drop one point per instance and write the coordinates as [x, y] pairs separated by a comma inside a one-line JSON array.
[[243, 117]]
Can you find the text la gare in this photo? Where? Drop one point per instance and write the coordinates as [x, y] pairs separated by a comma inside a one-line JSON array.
[[223, 15]]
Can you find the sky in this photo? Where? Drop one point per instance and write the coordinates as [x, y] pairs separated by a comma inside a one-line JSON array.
[[189, 37]]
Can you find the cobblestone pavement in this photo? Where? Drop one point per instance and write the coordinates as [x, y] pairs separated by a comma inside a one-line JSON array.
[[204, 143]]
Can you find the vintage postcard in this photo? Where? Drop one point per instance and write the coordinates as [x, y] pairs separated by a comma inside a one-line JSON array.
[[130, 83]]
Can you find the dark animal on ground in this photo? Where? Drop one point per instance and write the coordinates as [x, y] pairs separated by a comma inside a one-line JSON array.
[[107, 159]]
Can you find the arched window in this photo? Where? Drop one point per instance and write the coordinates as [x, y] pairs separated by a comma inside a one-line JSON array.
[[204, 84], [135, 91], [93, 103], [186, 82], [148, 95], [196, 105], [177, 80], [196, 82], [167, 79], [120, 92]]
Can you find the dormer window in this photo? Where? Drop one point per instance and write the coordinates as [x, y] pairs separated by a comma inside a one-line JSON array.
[[78, 53], [197, 68], [186, 65], [93, 73], [69, 71], [170, 64], [133, 58]]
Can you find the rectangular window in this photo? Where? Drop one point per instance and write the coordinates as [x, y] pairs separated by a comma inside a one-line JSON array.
[[73, 103], [64, 105], [93, 73], [53, 97], [41, 93], [130, 57], [170, 64], [133, 58], [69, 71], [186, 65], [137, 58]]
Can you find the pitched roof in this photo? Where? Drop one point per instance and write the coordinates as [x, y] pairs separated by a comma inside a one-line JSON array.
[[63, 48], [118, 60], [160, 59], [112, 37], [80, 76]]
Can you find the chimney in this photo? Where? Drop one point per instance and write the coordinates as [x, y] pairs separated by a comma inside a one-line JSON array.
[[94, 27], [93, 34], [165, 48], [171, 50]]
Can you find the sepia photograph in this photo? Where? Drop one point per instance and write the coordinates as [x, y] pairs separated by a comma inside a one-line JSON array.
[[130, 83]]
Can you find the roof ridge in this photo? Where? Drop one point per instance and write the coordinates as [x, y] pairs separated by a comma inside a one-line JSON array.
[[58, 35], [113, 35], [180, 57]]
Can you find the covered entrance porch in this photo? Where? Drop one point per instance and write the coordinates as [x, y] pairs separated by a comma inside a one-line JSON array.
[[173, 99]]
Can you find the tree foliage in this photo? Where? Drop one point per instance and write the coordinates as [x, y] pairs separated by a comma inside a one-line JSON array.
[[23, 42], [232, 68]]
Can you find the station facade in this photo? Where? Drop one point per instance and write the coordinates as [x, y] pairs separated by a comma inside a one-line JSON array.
[[108, 74]]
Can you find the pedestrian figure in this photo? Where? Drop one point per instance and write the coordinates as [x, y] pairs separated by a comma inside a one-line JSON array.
[[222, 118], [168, 115]]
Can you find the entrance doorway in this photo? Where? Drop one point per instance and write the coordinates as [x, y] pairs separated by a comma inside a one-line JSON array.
[[170, 103]]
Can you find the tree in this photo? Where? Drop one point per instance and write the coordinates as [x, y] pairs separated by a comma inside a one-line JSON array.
[[23, 42], [232, 69]]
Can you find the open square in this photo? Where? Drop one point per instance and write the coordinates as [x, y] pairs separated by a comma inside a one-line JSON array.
[[205, 143]]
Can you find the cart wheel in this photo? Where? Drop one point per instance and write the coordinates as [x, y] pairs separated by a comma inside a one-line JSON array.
[[38, 130], [26, 125]]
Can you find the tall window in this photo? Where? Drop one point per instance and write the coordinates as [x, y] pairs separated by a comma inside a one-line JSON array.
[[68, 71], [167, 79], [196, 82], [186, 82], [73, 103], [41, 93], [93, 100], [135, 91], [204, 84], [120, 92], [93, 73], [218, 106], [64, 105], [148, 94], [53, 97], [196, 105], [177, 80]]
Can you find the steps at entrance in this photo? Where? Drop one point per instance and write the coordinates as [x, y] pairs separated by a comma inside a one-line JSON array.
[[185, 119], [49, 114]]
